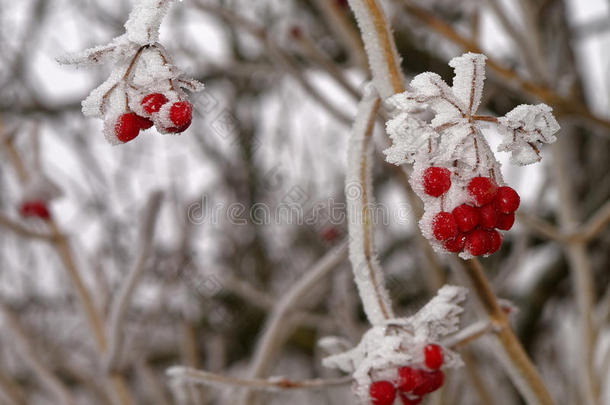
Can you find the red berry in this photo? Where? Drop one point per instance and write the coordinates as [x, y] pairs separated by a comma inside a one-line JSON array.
[[455, 245], [180, 114], [152, 103], [436, 181], [409, 378], [477, 242], [433, 381], [444, 226], [507, 200], [505, 221], [488, 216], [433, 355], [466, 216], [382, 393], [329, 234], [482, 189], [127, 127], [35, 209], [409, 401], [495, 240], [144, 123]]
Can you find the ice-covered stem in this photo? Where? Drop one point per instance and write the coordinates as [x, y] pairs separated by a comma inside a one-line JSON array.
[[32, 359], [380, 47], [375, 33], [145, 19], [259, 384], [360, 201], [123, 299]]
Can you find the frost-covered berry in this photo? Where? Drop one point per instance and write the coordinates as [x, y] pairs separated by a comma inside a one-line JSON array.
[[495, 241], [382, 393], [477, 242], [410, 401], [466, 216], [152, 103], [35, 209], [507, 200], [482, 189], [444, 226], [180, 114], [437, 181], [455, 245], [433, 356], [127, 127], [505, 221], [488, 216], [433, 380], [409, 378]]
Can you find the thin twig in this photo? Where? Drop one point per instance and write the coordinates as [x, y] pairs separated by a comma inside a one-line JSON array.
[[123, 299]]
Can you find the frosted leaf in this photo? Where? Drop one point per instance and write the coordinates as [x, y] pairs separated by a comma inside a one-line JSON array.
[[525, 129], [452, 141], [400, 342], [469, 78]]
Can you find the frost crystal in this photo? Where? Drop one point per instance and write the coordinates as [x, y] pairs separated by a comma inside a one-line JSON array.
[[452, 137], [142, 66], [400, 342]]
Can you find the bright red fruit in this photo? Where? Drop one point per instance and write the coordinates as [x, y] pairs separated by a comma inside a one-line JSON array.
[[482, 189], [488, 216], [466, 216], [495, 241], [433, 380], [409, 378], [127, 127], [477, 242], [433, 356], [152, 103], [382, 393], [444, 226], [507, 200], [505, 221], [455, 245], [35, 209], [437, 181], [329, 233], [407, 401], [180, 114]]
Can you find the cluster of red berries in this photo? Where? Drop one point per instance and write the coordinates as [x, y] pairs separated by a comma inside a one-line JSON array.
[[174, 118], [472, 227], [36, 209], [412, 383]]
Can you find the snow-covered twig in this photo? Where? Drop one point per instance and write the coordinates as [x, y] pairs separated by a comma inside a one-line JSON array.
[[123, 299], [23, 341], [271, 384], [360, 201]]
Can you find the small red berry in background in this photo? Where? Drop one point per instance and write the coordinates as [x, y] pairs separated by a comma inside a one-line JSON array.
[[455, 245], [488, 216], [382, 393], [180, 114], [152, 103], [408, 401], [507, 200], [127, 127], [466, 217], [437, 181], [482, 189], [409, 378], [433, 356], [329, 233], [444, 226], [477, 242], [35, 209], [495, 241], [505, 221]]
